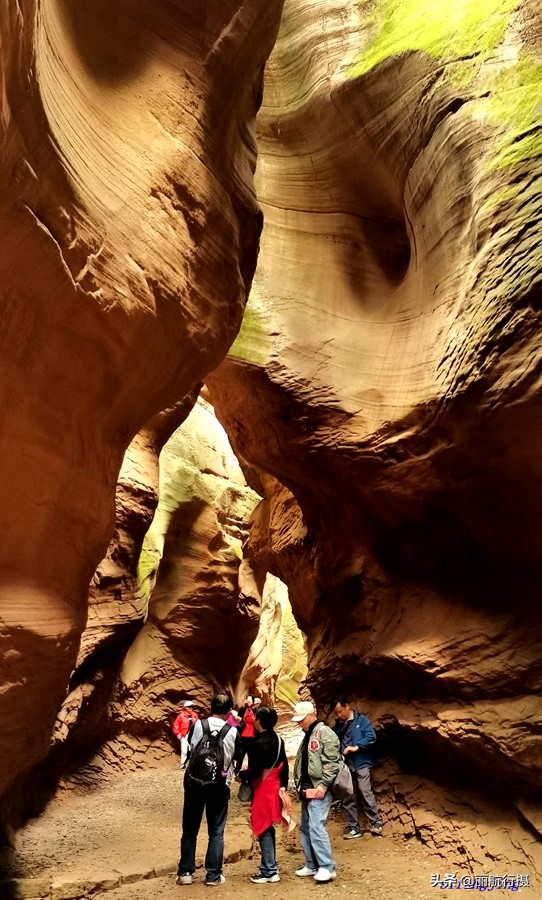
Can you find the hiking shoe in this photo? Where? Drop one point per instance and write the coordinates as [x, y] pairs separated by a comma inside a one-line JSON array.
[[351, 834], [184, 879], [220, 880], [258, 878], [377, 830], [325, 875], [305, 872]]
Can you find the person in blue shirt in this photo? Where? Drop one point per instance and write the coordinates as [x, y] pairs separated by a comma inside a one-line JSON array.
[[357, 735]]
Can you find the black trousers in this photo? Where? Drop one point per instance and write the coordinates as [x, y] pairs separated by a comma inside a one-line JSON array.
[[212, 799], [246, 746]]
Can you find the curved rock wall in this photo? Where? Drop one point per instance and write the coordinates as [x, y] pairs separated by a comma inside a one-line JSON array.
[[117, 607], [136, 665], [203, 599], [264, 663], [129, 236], [387, 377], [116, 601]]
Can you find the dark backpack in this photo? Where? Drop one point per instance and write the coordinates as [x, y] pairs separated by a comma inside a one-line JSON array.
[[206, 762]]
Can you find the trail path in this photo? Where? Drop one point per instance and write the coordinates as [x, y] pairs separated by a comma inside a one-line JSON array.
[[120, 842]]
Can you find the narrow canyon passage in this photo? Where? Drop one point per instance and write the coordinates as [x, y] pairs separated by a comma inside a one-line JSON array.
[[120, 842], [270, 311]]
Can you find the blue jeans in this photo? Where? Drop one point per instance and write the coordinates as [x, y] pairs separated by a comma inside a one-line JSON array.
[[314, 838], [268, 864], [213, 799]]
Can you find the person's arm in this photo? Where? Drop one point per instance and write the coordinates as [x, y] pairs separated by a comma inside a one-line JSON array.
[[284, 772], [230, 747], [197, 735], [178, 726], [364, 735], [331, 759], [297, 768], [237, 753], [257, 756]]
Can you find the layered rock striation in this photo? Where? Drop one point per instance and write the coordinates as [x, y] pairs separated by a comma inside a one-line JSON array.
[[203, 600], [129, 237], [385, 389], [118, 608], [383, 396]]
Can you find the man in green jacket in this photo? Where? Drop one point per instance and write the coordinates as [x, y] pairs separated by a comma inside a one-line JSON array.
[[316, 766]]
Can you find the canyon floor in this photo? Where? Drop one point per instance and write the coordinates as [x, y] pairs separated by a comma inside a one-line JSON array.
[[120, 840]]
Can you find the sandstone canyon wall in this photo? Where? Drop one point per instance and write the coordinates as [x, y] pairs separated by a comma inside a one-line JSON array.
[[175, 612], [204, 601], [386, 392], [118, 607], [129, 237], [383, 395], [173, 608], [264, 662]]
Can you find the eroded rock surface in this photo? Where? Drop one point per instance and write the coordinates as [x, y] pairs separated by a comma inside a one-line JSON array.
[[203, 600], [264, 662], [117, 605], [385, 388], [129, 235], [383, 396]]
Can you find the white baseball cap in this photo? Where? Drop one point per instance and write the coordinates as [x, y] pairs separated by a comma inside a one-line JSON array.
[[303, 709], [188, 703], [256, 701]]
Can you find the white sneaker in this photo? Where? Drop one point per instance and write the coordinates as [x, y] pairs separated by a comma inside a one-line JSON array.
[[324, 875], [220, 880], [258, 878], [184, 879], [305, 872], [352, 833]]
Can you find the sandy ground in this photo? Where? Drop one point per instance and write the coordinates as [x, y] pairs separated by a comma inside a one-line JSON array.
[[121, 841]]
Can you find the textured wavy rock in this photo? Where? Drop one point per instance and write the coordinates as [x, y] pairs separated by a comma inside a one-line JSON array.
[[129, 235], [277, 661], [387, 377], [264, 661], [112, 720], [204, 603], [117, 605]]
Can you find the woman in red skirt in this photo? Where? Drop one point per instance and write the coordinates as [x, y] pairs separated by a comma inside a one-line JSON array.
[[268, 774]]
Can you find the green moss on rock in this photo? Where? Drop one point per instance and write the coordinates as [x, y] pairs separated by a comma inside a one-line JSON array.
[[516, 103], [253, 343], [443, 30], [148, 560]]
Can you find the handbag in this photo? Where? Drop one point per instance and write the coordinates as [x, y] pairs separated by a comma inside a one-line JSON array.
[[246, 791], [343, 786]]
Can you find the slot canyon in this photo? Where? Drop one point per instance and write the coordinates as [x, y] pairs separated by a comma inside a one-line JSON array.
[[271, 286]]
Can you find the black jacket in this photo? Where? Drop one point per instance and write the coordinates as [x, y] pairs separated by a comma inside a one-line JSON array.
[[263, 755]]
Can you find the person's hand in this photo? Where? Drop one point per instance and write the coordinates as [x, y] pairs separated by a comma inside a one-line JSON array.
[[282, 791], [321, 792], [349, 750]]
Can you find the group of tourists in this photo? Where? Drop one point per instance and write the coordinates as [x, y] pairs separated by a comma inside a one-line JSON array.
[[243, 720], [328, 757]]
